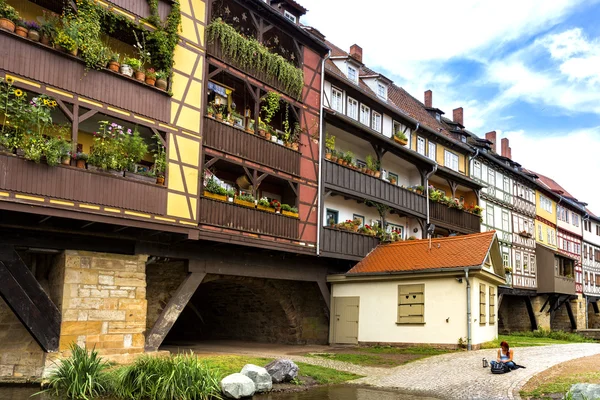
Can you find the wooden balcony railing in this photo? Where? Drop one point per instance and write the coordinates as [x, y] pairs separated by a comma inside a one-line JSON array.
[[453, 218], [214, 49], [347, 245], [232, 216], [80, 185], [44, 64], [349, 181], [235, 141]]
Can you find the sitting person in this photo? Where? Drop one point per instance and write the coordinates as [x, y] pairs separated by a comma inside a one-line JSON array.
[[505, 355]]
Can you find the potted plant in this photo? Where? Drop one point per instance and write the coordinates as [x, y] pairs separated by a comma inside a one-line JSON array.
[[21, 29], [143, 59], [273, 137], [246, 200], [160, 160], [290, 211], [371, 165], [296, 136], [230, 193], [8, 16], [219, 110], [58, 151], [238, 120], [215, 191], [80, 159], [400, 137], [66, 40], [161, 80], [348, 157], [419, 189], [276, 205], [33, 31], [264, 205], [334, 156], [133, 149], [49, 22], [262, 128], [138, 72], [329, 145], [113, 62], [106, 154], [393, 180], [150, 76], [210, 109], [340, 156], [126, 68]]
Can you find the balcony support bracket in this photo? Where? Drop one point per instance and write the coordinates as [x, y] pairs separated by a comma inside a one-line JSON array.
[[325, 292], [530, 312], [545, 304], [453, 185], [87, 115], [65, 109], [570, 313], [215, 72]]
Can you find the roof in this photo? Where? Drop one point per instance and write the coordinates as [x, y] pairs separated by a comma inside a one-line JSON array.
[[554, 186], [415, 255]]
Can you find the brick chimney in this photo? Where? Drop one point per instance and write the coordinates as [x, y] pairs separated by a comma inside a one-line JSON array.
[[356, 52], [428, 99], [491, 136], [457, 115], [505, 148], [510, 153]]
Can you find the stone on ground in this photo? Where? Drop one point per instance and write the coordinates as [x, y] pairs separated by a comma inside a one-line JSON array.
[[259, 375], [237, 386], [282, 370], [584, 391]]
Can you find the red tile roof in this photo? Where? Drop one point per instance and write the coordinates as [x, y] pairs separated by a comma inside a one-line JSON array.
[[414, 255], [554, 186]]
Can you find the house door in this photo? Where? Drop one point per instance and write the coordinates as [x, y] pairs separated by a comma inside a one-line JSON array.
[[345, 323]]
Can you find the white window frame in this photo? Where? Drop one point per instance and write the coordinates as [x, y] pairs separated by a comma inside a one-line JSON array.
[[506, 183], [376, 121], [290, 16], [352, 104], [545, 203], [337, 102], [431, 150], [355, 72], [381, 90], [450, 160], [365, 114], [477, 169], [491, 177], [489, 212], [505, 219], [421, 145]]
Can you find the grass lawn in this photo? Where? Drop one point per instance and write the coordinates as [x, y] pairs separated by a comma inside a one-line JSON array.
[[231, 364], [526, 339], [560, 385], [379, 356]]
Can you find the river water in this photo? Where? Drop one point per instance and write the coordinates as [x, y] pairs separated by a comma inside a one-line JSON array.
[[344, 392]]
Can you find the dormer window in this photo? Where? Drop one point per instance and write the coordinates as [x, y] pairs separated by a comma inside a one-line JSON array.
[[352, 73], [438, 117], [290, 16], [381, 91], [463, 139]]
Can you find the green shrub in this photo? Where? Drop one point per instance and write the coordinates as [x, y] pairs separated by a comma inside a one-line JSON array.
[[57, 148], [286, 207], [556, 335], [246, 197], [180, 377]]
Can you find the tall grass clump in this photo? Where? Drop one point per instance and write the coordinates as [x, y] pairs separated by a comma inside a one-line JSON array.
[[181, 377], [81, 376], [556, 335]]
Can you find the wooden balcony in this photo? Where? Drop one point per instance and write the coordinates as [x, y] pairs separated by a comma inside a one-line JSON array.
[[33, 60], [235, 141], [549, 279], [453, 218], [79, 185], [232, 216], [347, 245], [354, 183]]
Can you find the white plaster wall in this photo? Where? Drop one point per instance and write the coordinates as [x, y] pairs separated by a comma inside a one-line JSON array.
[[388, 125], [482, 333], [445, 312], [570, 227], [591, 237], [327, 94]]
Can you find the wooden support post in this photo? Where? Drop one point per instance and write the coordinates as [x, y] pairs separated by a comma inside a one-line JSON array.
[[325, 292], [453, 185], [571, 316], [500, 297], [531, 313], [545, 303], [171, 312], [595, 306], [75, 128]]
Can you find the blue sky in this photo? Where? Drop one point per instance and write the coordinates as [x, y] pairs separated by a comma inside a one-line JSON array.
[[528, 69]]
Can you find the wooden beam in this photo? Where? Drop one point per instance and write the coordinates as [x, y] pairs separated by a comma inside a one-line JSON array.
[[87, 115], [210, 162], [75, 128], [545, 303], [571, 316], [293, 186], [560, 302], [64, 109], [325, 292], [595, 306], [531, 313], [171, 312], [215, 72], [453, 185], [46, 218], [252, 92], [261, 178], [500, 298], [162, 140]]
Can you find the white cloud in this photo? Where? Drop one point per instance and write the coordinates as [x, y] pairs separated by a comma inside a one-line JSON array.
[[569, 158]]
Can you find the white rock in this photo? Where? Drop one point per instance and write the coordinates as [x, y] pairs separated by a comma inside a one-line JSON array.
[[282, 370], [237, 386], [259, 375]]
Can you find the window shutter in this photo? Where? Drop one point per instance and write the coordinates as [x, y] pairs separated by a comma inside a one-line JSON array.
[[482, 318], [492, 306], [411, 304]]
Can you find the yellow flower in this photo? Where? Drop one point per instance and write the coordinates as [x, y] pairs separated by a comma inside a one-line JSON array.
[[18, 93], [54, 103], [46, 102], [9, 80]]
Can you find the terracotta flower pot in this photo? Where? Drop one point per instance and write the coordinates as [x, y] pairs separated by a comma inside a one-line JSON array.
[[150, 81], [295, 146], [21, 31], [340, 161], [140, 76], [80, 164], [262, 132], [114, 66], [7, 25], [160, 180], [268, 136], [219, 116], [33, 35], [66, 160], [328, 156], [377, 174], [161, 84], [45, 40]]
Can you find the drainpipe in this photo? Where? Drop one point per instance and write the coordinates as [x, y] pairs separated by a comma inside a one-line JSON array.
[[321, 141], [435, 167], [474, 156], [468, 309]]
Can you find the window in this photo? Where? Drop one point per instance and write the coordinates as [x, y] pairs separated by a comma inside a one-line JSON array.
[[597, 230], [477, 169], [411, 304], [450, 160], [431, 151], [575, 219], [552, 236], [376, 125], [332, 217], [360, 163], [506, 184], [336, 100], [392, 177], [290, 16], [518, 261], [482, 315], [381, 92], [352, 110], [525, 262], [548, 235], [420, 145], [505, 223], [352, 75], [489, 212], [463, 139], [597, 255], [505, 260], [365, 114], [359, 217], [585, 251], [532, 263], [492, 306], [546, 203], [598, 280], [395, 228], [491, 177], [540, 236]]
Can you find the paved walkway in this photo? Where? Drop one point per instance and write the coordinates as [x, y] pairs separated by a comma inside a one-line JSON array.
[[449, 376]]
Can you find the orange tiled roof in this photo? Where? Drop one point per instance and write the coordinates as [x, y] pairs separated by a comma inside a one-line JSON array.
[[414, 255], [554, 186]]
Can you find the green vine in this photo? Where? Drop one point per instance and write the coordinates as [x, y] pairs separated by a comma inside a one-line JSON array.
[[163, 40], [249, 53]]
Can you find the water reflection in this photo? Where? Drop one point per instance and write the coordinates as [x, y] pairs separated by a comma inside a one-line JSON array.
[[342, 393]]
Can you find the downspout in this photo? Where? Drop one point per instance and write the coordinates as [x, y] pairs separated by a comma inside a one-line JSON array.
[[435, 167], [321, 141], [468, 309]]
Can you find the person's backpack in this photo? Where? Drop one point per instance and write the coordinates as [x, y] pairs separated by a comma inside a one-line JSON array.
[[500, 368]]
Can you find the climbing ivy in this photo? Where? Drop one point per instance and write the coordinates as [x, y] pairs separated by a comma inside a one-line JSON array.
[[162, 41]]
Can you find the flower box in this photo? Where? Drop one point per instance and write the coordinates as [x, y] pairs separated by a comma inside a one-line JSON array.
[[110, 171], [244, 203], [290, 214], [214, 196], [400, 141], [263, 208]]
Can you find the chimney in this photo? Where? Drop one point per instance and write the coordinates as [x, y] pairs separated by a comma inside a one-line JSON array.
[[356, 52], [457, 115], [428, 99], [510, 153], [505, 148], [491, 136]]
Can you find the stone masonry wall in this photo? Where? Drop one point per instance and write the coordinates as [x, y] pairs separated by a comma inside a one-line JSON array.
[[104, 303], [593, 318], [162, 279], [542, 318], [560, 320], [512, 315]]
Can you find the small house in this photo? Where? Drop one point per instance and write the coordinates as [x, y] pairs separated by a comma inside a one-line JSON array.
[[441, 292]]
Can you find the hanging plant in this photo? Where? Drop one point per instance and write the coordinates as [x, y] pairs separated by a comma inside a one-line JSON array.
[[271, 105]]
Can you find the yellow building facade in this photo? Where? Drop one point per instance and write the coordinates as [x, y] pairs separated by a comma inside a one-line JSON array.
[[545, 221]]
